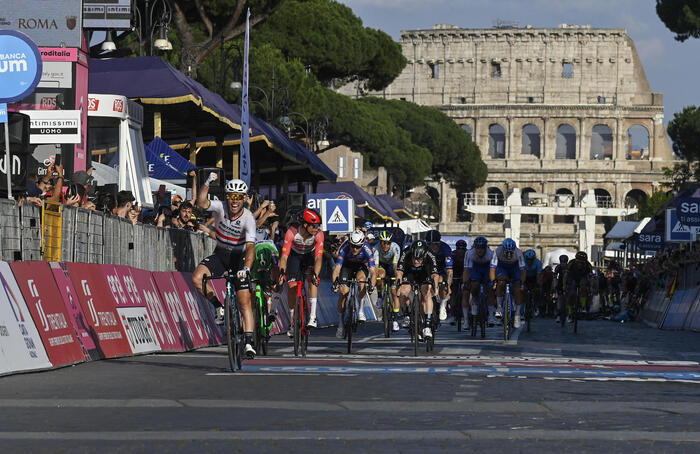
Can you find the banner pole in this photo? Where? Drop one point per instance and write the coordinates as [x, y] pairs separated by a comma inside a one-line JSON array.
[[8, 161]]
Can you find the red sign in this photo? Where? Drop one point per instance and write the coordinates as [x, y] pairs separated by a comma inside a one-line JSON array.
[[48, 311], [118, 105], [93, 104], [185, 316], [99, 305], [167, 331], [206, 310], [77, 317]]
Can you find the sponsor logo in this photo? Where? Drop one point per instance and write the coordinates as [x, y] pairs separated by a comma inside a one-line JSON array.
[[118, 105], [71, 22], [93, 104]]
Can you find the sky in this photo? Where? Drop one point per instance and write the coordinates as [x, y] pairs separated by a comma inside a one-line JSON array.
[[672, 67]]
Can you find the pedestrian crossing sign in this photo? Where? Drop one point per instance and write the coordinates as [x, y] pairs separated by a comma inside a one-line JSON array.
[[338, 215], [675, 231]]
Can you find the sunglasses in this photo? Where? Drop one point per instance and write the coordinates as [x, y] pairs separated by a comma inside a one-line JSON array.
[[355, 246], [235, 196], [314, 225]]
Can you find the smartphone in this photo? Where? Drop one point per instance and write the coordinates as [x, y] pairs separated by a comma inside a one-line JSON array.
[[57, 159]]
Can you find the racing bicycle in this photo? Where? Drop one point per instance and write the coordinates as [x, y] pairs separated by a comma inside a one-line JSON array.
[[233, 323]]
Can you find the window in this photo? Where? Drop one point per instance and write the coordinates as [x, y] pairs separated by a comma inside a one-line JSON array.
[[637, 143], [565, 198], [495, 197], [341, 166], [530, 99], [497, 141], [434, 70], [467, 128], [463, 99], [567, 70], [601, 99], [402, 99], [356, 168], [566, 142], [495, 69], [531, 140], [601, 142]]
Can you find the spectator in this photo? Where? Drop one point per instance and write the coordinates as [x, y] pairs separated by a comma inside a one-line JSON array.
[[185, 221], [265, 212], [126, 208]]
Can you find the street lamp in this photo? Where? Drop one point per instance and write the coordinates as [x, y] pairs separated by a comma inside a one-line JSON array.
[[160, 10], [314, 131]]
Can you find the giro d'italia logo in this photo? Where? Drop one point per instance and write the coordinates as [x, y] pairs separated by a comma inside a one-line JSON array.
[[20, 66]]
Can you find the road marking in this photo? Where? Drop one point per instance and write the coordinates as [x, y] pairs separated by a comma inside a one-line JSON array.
[[621, 352], [441, 435], [248, 374]]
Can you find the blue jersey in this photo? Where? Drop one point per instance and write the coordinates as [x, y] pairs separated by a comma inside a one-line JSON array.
[[443, 257], [533, 269], [500, 259], [364, 255], [472, 259]]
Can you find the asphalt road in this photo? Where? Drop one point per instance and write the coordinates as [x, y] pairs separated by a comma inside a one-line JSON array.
[[612, 387]]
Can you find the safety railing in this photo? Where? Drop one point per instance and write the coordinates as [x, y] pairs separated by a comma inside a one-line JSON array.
[[70, 234]]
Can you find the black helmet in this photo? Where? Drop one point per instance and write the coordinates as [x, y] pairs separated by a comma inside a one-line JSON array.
[[418, 250], [563, 258], [433, 236], [581, 255]]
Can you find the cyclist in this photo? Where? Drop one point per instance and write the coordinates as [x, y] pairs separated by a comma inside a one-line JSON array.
[[508, 266], [443, 255], [547, 280], [265, 271], [235, 250], [389, 253], [355, 260], [302, 250], [477, 263], [533, 278], [578, 272], [417, 265], [559, 279], [458, 259]]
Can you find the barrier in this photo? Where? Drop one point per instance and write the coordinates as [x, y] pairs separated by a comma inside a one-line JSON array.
[[52, 231], [692, 322], [41, 294], [30, 225], [83, 331], [98, 303], [677, 312], [11, 247], [21, 348], [197, 303], [133, 314], [655, 307], [190, 334]]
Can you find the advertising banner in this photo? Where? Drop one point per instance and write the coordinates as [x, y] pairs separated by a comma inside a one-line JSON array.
[[84, 333], [104, 14], [189, 328], [20, 344], [206, 310], [53, 126], [99, 306], [47, 22], [137, 323], [51, 318], [688, 211], [21, 65], [650, 241], [167, 332]]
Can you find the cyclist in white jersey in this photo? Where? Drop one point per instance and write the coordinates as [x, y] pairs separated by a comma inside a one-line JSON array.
[[235, 250], [387, 260]]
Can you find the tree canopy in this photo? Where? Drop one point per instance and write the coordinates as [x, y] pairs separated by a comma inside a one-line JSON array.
[[684, 131], [681, 17]]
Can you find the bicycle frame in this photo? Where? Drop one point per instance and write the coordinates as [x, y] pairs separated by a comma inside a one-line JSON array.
[[507, 313], [232, 322]]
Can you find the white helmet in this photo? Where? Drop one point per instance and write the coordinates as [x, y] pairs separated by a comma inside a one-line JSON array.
[[370, 237], [236, 185], [357, 238]]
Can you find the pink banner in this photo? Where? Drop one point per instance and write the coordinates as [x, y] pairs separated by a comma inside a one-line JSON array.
[[206, 310], [185, 315], [59, 53], [85, 334]]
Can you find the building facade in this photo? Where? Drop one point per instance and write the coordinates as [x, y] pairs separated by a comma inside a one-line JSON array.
[[555, 112]]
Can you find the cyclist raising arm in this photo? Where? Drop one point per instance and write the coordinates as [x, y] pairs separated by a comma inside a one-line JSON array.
[[235, 250], [355, 260], [508, 266], [417, 266], [302, 249]]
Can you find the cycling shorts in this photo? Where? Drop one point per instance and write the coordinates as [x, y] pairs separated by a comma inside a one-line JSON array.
[[388, 268], [223, 260], [480, 273], [349, 270], [420, 277], [298, 264], [531, 282], [508, 271]]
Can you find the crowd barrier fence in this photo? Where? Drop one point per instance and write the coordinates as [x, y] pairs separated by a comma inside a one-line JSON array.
[[676, 305]]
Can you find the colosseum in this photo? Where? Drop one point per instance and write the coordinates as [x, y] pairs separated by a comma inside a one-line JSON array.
[[557, 113]]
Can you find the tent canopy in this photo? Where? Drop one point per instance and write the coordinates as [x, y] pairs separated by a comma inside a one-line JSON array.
[[622, 230], [411, 226], [105, 174], [551, 258]]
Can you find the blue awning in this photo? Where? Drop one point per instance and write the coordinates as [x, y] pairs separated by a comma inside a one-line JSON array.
[[395, 206], [364, 200], [167, 164]]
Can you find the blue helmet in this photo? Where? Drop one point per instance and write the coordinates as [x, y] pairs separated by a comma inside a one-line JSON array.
[[530, 254], [508, 245], [368, 224], [480, 242]]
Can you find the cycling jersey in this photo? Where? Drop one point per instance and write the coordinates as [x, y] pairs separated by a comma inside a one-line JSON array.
[[232, 234], [458, 256], [363, 256], [534, 268], [294, 241], [390, 257], [472, 259], [500, 259], [406, 263], [257, 271], [577, 270], [443, 257]]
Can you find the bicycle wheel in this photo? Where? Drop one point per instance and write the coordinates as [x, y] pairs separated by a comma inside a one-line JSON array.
[[506, 317], [483, 314], [259, 324], [415, 320], [231, 335], [297, 327], [574, 314], [387, 310], [528, 310], [303, 330], [349, 322]]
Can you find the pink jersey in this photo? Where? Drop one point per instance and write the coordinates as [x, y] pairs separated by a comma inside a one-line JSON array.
[[293, 241]]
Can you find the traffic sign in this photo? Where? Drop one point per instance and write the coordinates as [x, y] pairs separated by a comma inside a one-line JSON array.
[[338, 215], [675, 231], [688, 210], [650, 241], [20, 66]]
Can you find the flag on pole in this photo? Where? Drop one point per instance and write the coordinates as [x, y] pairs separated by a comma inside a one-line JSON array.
[[244, 172]]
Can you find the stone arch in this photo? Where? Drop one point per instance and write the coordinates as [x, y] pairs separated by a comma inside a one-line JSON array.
[[468, 128], [603, 198], [566, 142], [495, 197], [531, 140], [601, 142], [638, 141], [635, 197], [528, 218], [565, 197], [497, 141]]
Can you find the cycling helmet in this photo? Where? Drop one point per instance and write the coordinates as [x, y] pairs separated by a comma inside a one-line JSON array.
[[311, 216], [530, 254], [480, 242], [563, 259], [461, 244], [418, 250], [508, 245], [368, 225], [433, 236], [357, 238], [236, 185], [263, 257], [581, 255], [370, 237], [385, 235]]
